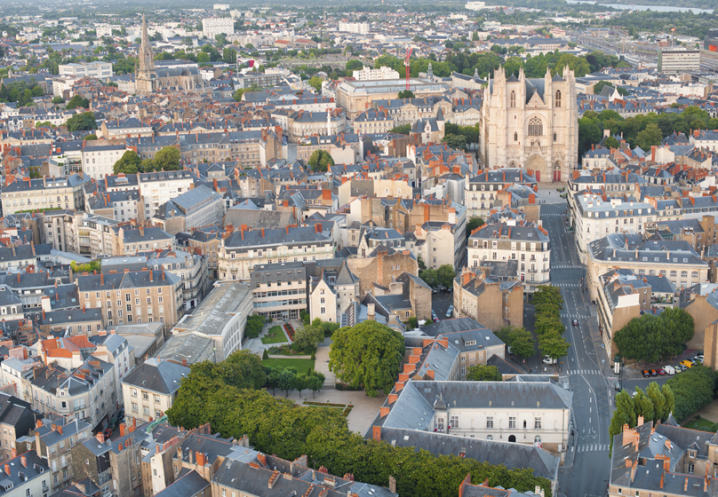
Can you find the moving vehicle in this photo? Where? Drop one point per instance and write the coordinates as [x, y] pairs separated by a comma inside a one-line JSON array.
[[617, 386], [687, 363], [575, 322]]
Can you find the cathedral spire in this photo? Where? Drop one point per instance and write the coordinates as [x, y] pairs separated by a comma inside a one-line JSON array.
[[145, 74]]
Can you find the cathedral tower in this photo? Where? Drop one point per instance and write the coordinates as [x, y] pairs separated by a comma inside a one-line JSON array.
[[145, 75]]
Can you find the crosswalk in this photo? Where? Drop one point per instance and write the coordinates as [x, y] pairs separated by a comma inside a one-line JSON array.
[[566, 285], [583, 372], [565, 266], [574, 316], [546, 214], [592, 448]]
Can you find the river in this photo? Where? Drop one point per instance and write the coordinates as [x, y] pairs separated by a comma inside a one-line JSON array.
[[655, 8]]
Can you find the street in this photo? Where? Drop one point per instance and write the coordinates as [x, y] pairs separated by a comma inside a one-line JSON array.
[[587, 464]]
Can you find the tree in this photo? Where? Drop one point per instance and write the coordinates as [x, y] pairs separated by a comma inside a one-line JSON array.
[[521, 342], [37, 91], [430, 277], [58, 100], [203, 57], [402, 129], [412, 323], [316, 83], [446, 275], [167, 159], [650, 338], [473, 223], [254, 326], [238, 94], [320, 161], [648, 137], [692, 390], [315, 382], [553, 345], [90, 137], [406, 94], [78, 101], [457, 142], [80, 122], [129, 163], [660, 406], [309, 337], [229, 55], [475, 36], [353, 65], [611, 142], [643, 405], [287, 380], [367, 355], [242, 369], [483, 372]]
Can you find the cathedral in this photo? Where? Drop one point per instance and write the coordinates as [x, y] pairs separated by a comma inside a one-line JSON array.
[[531, 123], [149, 79]]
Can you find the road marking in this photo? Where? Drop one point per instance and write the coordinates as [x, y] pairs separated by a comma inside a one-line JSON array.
[[584, 372]]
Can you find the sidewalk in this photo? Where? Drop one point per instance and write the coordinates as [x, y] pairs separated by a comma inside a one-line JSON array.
[[321, 364]]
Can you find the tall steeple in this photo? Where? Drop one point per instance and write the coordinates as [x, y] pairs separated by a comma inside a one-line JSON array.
[[146, 73]]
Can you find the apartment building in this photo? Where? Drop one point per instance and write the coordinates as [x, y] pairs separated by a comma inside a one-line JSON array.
[[127, 240], [213, 26], [98, 160], [162, 186], [52, 440], [94, 235], [151, 388], [97, 69], [527, 243], [302, 124], [123, 206], [16, 421], [22, 256], [368, 73], [86, 393], [116, 350], [492, 301], [243, 249], [279, 291], [482, 190], [190, 267], [134, 296], [25, 475], [244, 146], [43, 194], [373, 121], [206, 242], [115, 128], [676, 260], [595, 218]]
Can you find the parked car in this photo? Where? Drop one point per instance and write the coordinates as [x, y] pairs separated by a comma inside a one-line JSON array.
[[653, 372], [646, 373], [549, 360], [670, 370], [687, 363], [107, 432], [680, 368], [661, 372], [575, 322], [617, 386], [450, 312]]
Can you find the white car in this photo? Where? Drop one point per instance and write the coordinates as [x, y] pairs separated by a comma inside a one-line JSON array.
[[450, 312], [549, 360]]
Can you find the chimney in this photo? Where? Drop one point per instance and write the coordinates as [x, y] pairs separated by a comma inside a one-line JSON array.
[[23, 461], [100, 437], [102, 279], [392, 484], [371, 311], [201, 459]]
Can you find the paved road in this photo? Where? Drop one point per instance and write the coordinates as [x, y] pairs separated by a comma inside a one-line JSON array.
[[586, 366]]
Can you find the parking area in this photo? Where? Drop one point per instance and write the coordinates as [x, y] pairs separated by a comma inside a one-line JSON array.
[[440, 302]]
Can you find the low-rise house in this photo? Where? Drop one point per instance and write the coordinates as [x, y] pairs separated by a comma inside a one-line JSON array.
[[151, 388]]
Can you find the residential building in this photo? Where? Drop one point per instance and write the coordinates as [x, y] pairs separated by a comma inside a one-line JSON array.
[[494, 302], [151, 388], [25, 475], [159, 187], [190, 267], [98, 160], [16, 421], [128, 240], [243, 249], [526, 243], [367, 73], [213, 26], [134, 296], [43, 194], [679, 60]]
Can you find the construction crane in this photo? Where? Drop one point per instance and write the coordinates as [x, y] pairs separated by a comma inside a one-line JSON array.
[[406, 64]]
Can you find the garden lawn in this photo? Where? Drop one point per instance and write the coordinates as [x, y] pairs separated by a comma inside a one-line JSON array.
[[274, 335], [700, 424], [302, 365]]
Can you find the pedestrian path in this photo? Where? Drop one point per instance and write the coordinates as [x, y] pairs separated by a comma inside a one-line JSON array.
[[566, 285], [553, 214], [593, 448], [565, 266], [584, 372]]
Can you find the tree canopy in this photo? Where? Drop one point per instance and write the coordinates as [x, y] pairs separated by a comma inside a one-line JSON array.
[[320, 160], [80, 122], [483, 372], [368, 355], [78, 101], [548, 303], [651, 338], [693, 389]]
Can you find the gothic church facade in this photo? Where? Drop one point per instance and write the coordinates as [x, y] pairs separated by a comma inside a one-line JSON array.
[[531, 123]]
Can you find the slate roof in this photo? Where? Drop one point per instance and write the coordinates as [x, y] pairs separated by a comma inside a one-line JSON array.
[[163, 377]]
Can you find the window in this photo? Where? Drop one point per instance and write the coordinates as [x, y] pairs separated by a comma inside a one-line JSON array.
[[454, 422], [134, 392], [537, 423], [537, 439], [513, 99], [516, 136], [489, 422], [157, 398], [134, 406], [557, 100], [535, 127], [512, 422]]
